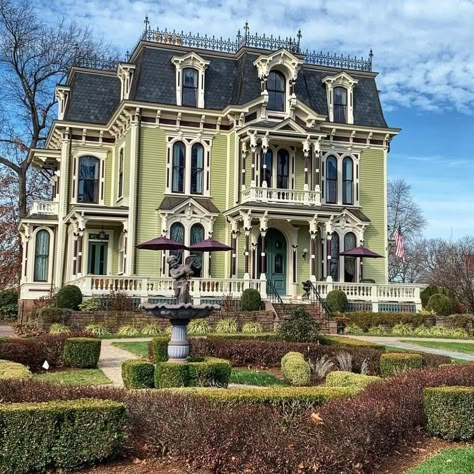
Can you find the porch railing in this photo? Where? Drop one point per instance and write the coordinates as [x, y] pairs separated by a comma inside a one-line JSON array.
[[277, 195], [45, 208]]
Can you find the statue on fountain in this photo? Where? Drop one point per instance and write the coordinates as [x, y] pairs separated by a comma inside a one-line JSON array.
[[181, 273]]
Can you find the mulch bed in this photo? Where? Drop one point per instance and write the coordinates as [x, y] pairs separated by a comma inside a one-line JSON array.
[[138, 466]]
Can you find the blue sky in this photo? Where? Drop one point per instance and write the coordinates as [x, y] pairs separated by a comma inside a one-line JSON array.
[[422, 49]]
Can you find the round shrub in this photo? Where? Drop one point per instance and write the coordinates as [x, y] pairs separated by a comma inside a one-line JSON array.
[[337, 301], [296, 370], [289, 355], [69, 296], [440, 304], [395, 363], [13, 370], [250, 300], [97, 330], [300, 327], [252, 328], [426, 294], [449, 412], [198, 327], [158, 349], [226, 326], [58, 328], [82, 352], [138, 373]]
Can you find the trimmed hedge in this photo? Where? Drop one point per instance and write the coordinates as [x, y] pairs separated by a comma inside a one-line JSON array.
[[210, 372], [366, 320], [13, 370], [340, 378], [69, 296], [449, 412], [82, 352], [393, 363], [295, 369], [342, 341], [158, 349], [250, 300], [337, 301], [59, 434], [138, 373], [440, 304]]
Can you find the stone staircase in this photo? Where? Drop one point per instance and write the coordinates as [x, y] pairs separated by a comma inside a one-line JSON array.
[[283, 311]]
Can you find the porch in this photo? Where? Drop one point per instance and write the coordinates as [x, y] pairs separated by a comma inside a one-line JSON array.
[[361, 296]]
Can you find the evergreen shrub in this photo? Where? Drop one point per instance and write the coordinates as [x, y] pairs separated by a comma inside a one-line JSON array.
[[395, 363], [82, 352], [250, 300], [295, 369], [13, 370], [440, 304], [158, 349], [70, 297], [138, 373], [337, 301], [340, 378], [299, 327]]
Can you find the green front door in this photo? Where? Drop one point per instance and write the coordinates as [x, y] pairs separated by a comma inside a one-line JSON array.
[[276, 251], [97, 264]]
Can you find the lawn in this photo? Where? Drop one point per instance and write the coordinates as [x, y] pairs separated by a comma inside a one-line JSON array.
[[139, 348], [74, 377], [450, 346], [450, 461], [255, 377]]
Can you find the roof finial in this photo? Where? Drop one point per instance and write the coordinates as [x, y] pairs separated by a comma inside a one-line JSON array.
[[246, 28], [371, 55], [299, 36], [147, 23]]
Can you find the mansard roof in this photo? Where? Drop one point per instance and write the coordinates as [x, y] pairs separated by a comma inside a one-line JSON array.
[[230, 80]]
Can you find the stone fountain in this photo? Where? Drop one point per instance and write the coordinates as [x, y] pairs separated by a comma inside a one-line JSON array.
[[180, 313]]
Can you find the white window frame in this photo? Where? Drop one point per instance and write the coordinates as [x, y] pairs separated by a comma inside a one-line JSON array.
[[340, 161], [347, 82], [291, 167], [191, 61], [32, 255], [121, 168]]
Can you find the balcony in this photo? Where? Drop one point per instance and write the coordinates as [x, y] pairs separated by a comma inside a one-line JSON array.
[[281, 196], [45, 208]]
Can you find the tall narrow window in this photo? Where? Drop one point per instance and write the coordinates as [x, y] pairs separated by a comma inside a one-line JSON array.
[[348, 181], [88, 179], [334, 269], [41, 256], [340, 104], [349, 262], [283, 169], [266, 168], [276, 91], [179, 165], [177, 234], [197, 168], [120, 174], [190, 87], [197, 235], [331, 180]]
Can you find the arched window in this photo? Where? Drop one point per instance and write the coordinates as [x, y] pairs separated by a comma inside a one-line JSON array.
[[283, 168], [276, 91], [349, 262], [190, 87], [266, 168], [197, 168], [88, 179], [197, 235], [340, 104], [334, 270], [179, 166], [331, 180], [41, 256], [177, 234], [348, 181]]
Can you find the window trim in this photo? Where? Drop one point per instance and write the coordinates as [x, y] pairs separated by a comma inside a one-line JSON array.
[[102, 156], [121, 172], [347, 82], [334, 180], [194, 88], [336, 106], [345, 180], [280, 74], [180, 168], [96, 180], [195, 170], [47, 256]]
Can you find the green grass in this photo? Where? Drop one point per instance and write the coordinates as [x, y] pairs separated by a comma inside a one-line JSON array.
[[74, 377], [255, 377], [139, 348], [467, 347], [450, 461]]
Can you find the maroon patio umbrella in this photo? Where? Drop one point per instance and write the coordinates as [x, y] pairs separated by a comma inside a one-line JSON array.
[[360, 253], [209, 245], [161, 243]]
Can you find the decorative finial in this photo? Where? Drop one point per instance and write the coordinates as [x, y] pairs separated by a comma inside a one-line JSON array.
[[371, 55], [147, 23], [246, 28]]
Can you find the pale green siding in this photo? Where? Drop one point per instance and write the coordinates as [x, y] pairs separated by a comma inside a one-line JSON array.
[[219, 258], [219, 171], [372, 200], [151, 171], [299, 171]]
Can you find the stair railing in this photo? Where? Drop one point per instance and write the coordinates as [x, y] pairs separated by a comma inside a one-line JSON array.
[[314, 296], [274, 296]]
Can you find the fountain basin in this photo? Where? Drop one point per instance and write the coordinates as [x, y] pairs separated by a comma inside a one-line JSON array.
[[179, 315]]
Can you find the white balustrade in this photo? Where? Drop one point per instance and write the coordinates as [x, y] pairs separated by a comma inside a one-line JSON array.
[[276, 195], [45, 208]]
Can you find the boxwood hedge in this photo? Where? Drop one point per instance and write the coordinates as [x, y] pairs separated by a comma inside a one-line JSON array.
[[82, 352], [394, 363], [138, 373]]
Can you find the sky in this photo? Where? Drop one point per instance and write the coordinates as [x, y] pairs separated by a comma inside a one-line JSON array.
[[423, 51]]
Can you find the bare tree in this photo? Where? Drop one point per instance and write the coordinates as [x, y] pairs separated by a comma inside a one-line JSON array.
[[405, 214], [34, 57], [449, 265]]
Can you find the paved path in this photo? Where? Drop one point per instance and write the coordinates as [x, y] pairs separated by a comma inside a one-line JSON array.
[[111, 358], [396, 342], [6, 330]]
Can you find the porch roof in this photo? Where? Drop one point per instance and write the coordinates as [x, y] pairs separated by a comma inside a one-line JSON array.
[[171, 202]]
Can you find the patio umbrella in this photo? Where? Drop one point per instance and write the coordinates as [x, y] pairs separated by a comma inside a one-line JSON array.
[[209, 245], [360, 253], [161, 243]]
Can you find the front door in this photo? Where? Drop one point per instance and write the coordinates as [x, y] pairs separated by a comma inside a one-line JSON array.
[[276, 251], [97, 264]]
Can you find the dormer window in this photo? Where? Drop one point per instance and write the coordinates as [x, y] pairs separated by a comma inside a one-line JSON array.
[[88, 191], [340, 104], [190, 87], [276, 91]]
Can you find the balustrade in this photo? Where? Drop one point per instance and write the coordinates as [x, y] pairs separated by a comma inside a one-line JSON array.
[[277, 195]]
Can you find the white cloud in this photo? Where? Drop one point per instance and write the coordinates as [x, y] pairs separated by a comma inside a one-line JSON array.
[[422, 49]]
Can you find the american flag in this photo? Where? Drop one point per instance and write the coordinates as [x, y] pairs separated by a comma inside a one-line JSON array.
[[399, 244]]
